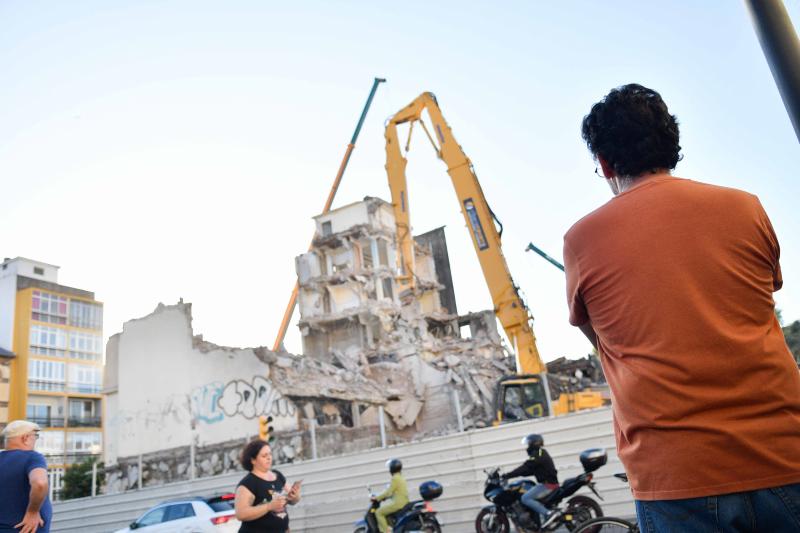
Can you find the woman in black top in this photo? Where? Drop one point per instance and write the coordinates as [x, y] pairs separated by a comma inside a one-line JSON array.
[[260, 503]]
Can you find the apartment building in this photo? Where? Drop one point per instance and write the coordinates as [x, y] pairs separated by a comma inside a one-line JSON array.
[[52, 338]]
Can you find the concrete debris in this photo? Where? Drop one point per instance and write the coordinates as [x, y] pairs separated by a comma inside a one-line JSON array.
[[451, 360], [309, 378], [284, 362], [404, 412]]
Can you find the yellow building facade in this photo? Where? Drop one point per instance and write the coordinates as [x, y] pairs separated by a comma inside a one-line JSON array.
[[57, 369]]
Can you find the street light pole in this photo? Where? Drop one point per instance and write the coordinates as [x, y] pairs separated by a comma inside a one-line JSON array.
[[782, 49]]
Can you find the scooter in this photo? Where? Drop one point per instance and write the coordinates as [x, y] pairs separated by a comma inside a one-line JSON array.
[[416, 517]]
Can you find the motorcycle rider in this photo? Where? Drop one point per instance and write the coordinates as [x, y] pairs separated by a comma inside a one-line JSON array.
[[540, 465], [397, 491]]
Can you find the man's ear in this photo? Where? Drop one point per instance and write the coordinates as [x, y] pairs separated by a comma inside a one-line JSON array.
[[608, 170]]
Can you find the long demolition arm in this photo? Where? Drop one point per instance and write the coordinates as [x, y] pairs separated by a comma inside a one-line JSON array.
[[508, 305]]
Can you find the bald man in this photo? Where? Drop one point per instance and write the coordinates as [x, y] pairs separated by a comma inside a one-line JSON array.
[[24, 502]]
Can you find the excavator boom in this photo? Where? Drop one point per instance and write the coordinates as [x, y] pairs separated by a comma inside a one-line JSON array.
[[508, 304]]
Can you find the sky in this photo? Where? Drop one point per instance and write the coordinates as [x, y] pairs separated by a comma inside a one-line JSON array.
[[166, 150]]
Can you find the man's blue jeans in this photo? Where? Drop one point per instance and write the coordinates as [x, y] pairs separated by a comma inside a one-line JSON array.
[[774, 510], [530, 499]]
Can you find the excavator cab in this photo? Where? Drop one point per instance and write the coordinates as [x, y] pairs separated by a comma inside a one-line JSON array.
[[520, 398]]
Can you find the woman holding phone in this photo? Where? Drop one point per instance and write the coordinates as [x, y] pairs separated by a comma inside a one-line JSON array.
[[262, 495]]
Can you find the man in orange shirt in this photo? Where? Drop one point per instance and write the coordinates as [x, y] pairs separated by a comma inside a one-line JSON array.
[[672, 280]]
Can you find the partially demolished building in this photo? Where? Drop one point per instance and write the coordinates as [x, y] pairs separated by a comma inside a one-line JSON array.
[[352, 316]]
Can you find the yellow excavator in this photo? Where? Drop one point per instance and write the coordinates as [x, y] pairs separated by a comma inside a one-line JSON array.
[[517, 397]]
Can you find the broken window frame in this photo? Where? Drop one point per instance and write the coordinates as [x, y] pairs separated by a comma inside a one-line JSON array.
[[387, 289], [367, 259], [383, 252], [326, 301], [339, 266]]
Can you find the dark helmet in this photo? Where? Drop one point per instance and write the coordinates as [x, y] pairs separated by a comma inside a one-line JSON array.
[[533, 442], [394, 465]]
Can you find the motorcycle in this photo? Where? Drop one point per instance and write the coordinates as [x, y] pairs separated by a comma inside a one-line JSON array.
[[416, 517], [507, 507]]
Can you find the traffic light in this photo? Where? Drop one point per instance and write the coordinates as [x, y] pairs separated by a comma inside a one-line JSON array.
[[264, 428]]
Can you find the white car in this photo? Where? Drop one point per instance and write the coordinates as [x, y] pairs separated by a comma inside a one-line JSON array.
[[188, 515]]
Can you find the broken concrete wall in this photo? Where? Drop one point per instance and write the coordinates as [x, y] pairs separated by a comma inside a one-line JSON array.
[[171, 390], [371, 211], [313, 303], [171, 385], [429, 303], [309, 266], [346, 296], [436, 242], [424, 266], [482, 325]]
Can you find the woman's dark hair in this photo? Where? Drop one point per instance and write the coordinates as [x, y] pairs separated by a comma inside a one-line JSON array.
[[250, 452], [632, 130]]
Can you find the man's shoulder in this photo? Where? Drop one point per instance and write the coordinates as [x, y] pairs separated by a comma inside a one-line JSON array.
[[711, 188], [23, 459], [21, 455], [609, 212], [36, 460], [586, 223]]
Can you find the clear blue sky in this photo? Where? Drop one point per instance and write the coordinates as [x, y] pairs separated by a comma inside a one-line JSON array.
[[158, 150]]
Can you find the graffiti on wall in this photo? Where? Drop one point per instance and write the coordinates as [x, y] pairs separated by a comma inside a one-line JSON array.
[[214, 401], [204, 403]]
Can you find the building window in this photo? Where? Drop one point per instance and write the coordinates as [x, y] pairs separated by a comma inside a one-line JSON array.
[[85, 379], [50, 443], [366, 254], [46, 340], [85, 315], [49, 308], [84, 413], [44, 415], [46, 375], [39, 271], [39, 414], [327, 229], [383, 253], [83, 442], [85, 346]]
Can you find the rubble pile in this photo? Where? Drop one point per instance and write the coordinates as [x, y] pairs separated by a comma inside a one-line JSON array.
[[575, 375]]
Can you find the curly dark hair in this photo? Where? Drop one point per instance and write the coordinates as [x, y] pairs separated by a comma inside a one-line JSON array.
[[250, 452], [632, 130]]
